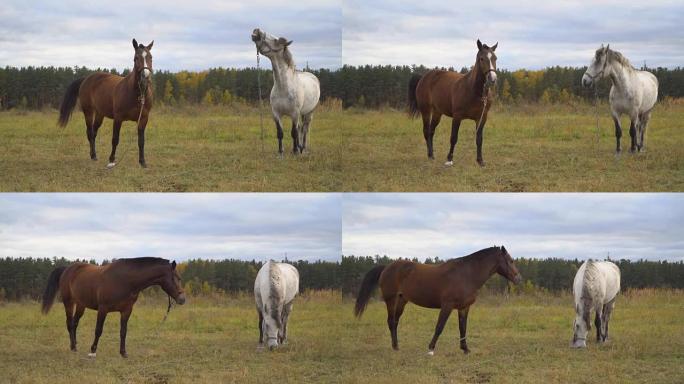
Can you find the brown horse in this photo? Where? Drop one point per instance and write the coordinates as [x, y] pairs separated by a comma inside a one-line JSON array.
[[119, 98], [456, 95], [450, 285], [109, 288]]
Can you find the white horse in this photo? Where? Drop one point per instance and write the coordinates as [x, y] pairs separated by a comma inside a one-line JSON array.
[[275, 288], [294, 93], [596, 285], [633, 93]]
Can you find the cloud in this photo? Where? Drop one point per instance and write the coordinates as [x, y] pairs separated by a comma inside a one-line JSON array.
[[629, 226], [531, 34], [188, 35], [176, 226]]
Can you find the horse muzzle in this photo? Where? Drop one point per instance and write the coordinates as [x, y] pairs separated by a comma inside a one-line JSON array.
[[579, 343], [180, 299], [256, 35], [517, 279], [587, 81], [491, 78]]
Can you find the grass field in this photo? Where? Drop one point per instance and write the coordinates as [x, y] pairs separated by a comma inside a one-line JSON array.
[[187, 149], [520, 339], [526, 148]]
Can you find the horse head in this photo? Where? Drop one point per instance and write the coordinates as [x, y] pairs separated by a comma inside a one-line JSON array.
[[506, 267], [597, 69], [486, 61], [581, 326], [143, 59], [269, 45], [171, 284]]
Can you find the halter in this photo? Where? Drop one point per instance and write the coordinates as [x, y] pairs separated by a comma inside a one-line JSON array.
[[600, 73]]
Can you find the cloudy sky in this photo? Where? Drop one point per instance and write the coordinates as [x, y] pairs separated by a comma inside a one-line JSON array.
[[532, 34], [629, 226], [190, 35], [174, 226]]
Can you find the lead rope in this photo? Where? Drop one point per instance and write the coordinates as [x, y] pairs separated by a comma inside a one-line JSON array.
[[596, 109], [261, 103], [485, 92]]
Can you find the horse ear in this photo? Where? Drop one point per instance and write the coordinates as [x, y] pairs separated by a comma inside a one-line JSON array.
[[494, 47], [173, 264], [135, 44], [149, 47], [479, 44], [288, 43], [607, 47]]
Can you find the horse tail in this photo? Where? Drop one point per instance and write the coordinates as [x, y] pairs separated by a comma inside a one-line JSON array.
[[52, 288], [69, 102], [370, 282], [412, 100]]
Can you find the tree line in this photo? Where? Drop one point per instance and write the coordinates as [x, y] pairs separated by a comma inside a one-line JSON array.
[[369, 86], [25, 278], [554, 275]]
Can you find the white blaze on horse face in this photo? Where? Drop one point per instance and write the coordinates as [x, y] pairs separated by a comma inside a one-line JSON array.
[[491, 75], [146, 72]]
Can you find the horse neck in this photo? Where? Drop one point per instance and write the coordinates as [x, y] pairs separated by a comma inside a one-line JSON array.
[[481, 268], [619, 75], [476, 79], [283, 74], [143, 277]]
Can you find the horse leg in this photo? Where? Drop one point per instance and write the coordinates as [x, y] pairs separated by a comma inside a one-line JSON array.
[[455, 125], [97, 123], [69, 310], [88, 114], [125, 314], [607, 311], [426, 131], [444, 314], [115, 142], [643, 120], [478, 140], [434, 122], [618, 134], [286, 315], [279, 132], [398, 311], [306, 120], [141, 140], [295, 136], [261, 328], [77, 317], [101, 316], [391, 304], [462, 325], [597, 323], [633, 134]]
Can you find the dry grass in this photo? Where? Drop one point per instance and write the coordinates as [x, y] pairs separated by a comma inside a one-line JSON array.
[[526, 148], [520, 339]]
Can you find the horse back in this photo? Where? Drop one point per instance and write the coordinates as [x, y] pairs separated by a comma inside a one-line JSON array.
[[97, 93], [80, 283], [418, 283], [434, 91]]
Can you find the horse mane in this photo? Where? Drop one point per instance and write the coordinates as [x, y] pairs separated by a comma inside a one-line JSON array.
[[590, 280], [476, 254], [616, 56], [142, 261], [287, 55]]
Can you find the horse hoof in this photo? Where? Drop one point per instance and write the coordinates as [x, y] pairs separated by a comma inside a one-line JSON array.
[[93, 158], [111, 165], [92, 354], [124, 355], [449, 163], [466, 351], [431, 353], [481, 163], [143, 164]]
